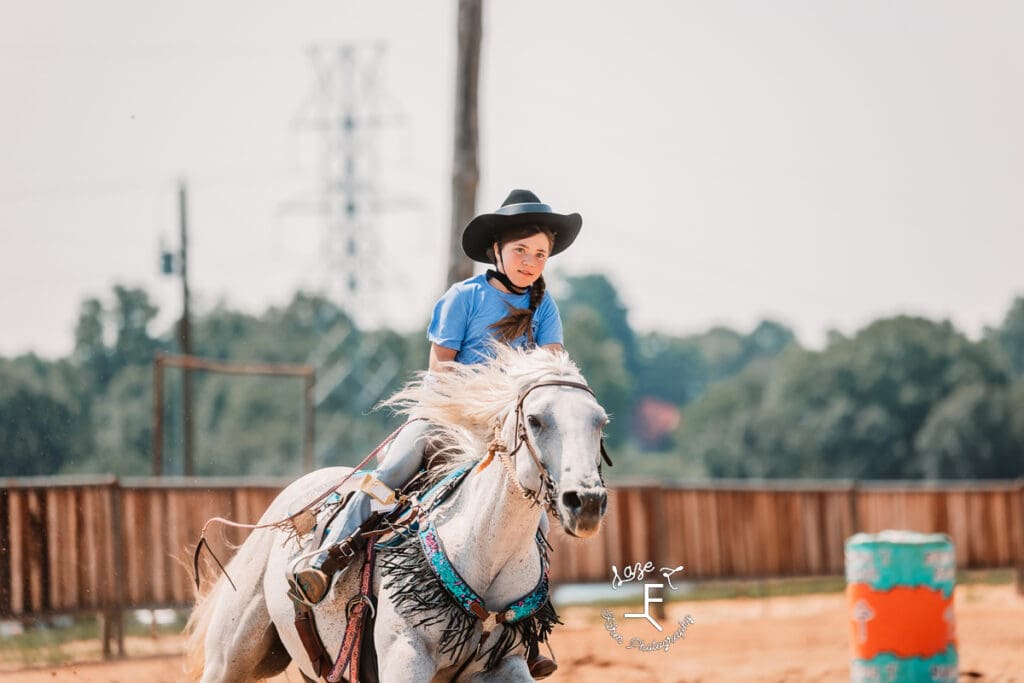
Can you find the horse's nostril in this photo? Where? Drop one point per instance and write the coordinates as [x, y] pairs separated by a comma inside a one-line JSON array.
[[571, 500], [604, 503]]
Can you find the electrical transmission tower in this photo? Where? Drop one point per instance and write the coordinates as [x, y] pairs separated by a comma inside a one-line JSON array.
[[344, 110]]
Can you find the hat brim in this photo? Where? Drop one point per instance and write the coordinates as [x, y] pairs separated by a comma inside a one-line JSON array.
[[482, 231]]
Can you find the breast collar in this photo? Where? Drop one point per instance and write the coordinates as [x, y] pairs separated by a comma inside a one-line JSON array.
[[461, 592], [449, 578]]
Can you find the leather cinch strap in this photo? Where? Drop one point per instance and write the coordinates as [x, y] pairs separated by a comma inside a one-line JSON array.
[[305, 626], [348, 656]]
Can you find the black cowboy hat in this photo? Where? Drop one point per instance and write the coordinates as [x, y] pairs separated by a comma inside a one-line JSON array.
[[521, 207]]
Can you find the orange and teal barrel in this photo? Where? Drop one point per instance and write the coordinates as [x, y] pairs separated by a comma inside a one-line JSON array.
[[899, 590]]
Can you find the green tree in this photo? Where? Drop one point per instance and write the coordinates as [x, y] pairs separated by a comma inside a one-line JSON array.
[[679, 369], [1009, 339], [91, 352], [41, 424], [602, 360], [719, 434], [34, 437], [671, 368], [973, 432], [132, 315], [596, 292], [121, 422], [855, 409]]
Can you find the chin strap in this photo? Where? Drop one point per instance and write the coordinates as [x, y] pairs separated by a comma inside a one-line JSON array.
[[504, 279]]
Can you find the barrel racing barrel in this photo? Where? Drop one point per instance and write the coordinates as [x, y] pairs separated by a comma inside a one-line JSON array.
[[899, 589]]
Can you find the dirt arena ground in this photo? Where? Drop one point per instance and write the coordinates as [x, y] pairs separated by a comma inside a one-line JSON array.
[[791, 639]]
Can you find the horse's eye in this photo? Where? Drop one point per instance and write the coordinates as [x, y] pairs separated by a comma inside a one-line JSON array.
[[533, 421]]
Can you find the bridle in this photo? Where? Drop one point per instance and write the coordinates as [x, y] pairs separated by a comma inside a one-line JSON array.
[[546, 495]]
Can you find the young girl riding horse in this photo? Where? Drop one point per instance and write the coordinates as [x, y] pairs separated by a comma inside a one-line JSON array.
[[510, 304]]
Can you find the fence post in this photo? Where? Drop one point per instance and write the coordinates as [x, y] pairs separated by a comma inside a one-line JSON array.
[[656, 538], [852, 503], [6, 589], [116, 613], [1020, 537], [309, 433], [104, 619]]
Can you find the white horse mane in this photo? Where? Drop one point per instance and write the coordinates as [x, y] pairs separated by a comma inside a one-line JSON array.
[[464, 402]]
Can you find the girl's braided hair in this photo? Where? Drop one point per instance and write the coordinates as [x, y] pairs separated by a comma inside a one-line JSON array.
[[519, 321]]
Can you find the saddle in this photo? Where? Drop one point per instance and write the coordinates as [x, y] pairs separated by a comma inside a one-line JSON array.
[[357, 653], [379, 529]]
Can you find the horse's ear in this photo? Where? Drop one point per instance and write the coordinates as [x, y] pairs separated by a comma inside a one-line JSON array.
[[195, 560], [604, 455]]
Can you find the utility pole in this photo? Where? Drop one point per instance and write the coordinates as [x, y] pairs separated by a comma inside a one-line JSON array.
[[185, 333], [465, 169]]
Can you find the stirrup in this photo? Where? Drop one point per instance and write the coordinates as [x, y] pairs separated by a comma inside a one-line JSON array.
[[540, 666], [312, 584]]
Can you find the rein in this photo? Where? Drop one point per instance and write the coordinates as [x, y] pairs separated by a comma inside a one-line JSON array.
[[301, 521]]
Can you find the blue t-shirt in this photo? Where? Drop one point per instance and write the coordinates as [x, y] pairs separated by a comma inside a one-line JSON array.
[[463, 317]]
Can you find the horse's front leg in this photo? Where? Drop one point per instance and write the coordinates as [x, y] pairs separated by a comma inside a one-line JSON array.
[[405, 658], [403, 651]]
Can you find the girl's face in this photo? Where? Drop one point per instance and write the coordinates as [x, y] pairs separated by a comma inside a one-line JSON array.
[[524, 258]]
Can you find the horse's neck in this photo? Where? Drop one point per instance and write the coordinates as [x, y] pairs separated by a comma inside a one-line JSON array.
[[490, 528]]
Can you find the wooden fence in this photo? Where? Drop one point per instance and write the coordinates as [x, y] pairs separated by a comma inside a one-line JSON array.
[[72, 545], [105, 545], [754, 530]]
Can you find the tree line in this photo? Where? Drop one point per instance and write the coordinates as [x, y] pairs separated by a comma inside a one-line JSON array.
[[905, 397]]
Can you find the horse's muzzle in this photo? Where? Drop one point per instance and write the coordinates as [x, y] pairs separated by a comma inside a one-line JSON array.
[[584, 509]]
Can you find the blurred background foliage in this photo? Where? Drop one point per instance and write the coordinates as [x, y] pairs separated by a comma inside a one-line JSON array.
[[904, 397]]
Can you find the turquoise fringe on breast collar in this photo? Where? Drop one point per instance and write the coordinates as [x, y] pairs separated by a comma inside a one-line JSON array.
[[428, 590], [466, 597]]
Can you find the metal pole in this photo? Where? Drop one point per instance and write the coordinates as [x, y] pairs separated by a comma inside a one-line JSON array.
[[465, 170], [186, 333]]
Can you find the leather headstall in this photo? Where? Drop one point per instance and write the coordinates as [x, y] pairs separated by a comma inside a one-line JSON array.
[[546, 495]]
